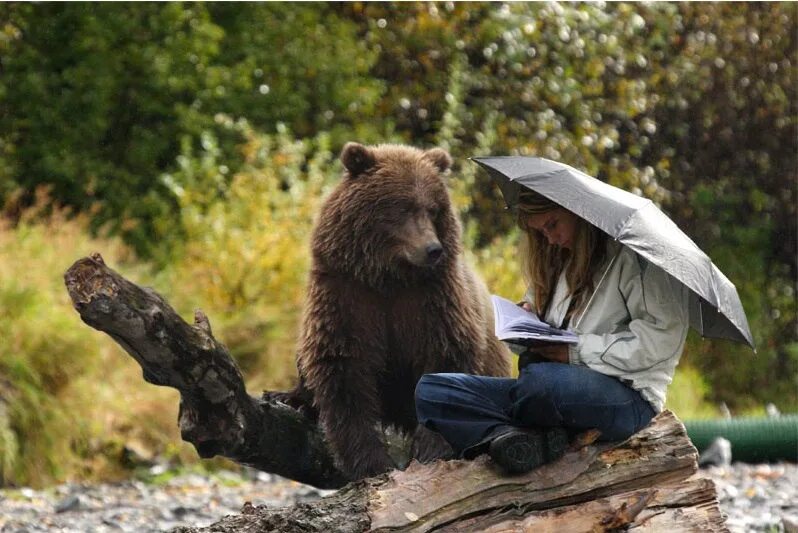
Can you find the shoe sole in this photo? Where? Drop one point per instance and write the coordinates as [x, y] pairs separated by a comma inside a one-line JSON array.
[[518, 452]]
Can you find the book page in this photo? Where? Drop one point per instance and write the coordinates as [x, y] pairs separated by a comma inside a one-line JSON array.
[[513, 323]]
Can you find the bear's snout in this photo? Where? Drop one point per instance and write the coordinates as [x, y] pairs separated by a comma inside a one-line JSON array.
[[427, 254], [418, 241], [434, 253]]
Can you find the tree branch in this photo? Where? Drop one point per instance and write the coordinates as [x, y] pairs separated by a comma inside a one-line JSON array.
[[217, 415]]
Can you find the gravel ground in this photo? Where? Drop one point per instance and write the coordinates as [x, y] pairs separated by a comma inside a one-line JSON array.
[[757, 497], [754, 498], [185, 500]]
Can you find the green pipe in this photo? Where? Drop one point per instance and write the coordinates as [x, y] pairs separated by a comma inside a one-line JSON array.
[[754, 439]]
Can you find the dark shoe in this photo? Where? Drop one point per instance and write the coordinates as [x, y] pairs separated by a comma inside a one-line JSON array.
[[521, 450], [518, 451]]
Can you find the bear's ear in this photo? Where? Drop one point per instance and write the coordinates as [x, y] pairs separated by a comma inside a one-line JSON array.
[[357, 158], [440, 158]]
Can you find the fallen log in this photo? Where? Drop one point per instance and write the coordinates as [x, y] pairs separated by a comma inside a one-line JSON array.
[[641, 483], [216, 414]]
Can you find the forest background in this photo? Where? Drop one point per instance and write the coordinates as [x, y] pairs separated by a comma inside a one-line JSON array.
[[191, 145]]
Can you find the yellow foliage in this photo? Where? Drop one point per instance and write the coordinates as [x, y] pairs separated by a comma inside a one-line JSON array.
[[66, 391], [246, 255], [687, 395], [499, 266]]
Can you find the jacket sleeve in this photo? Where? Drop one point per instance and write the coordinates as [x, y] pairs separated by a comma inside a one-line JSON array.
[[657, 327]]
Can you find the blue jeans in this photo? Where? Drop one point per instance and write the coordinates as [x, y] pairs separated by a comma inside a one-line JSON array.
[[467, 410]]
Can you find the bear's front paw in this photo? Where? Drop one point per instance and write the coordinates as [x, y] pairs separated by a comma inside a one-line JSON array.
[[429, 445], [371, 464], [298, 398]]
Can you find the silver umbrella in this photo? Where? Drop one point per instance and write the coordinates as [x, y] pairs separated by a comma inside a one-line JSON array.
[[715, 308]]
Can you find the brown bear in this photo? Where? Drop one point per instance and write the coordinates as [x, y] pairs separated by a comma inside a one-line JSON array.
[[390, 298]]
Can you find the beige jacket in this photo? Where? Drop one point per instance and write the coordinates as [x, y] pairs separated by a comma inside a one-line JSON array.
[[634, 325]]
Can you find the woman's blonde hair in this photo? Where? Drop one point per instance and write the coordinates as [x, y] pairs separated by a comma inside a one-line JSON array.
[[542, 263]]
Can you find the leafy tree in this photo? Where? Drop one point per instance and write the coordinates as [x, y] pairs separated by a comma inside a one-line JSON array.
[[94, 96], [294, 64], [728, 127], [97, 98]]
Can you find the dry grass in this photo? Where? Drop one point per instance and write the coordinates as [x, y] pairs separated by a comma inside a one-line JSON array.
[[70, 396]]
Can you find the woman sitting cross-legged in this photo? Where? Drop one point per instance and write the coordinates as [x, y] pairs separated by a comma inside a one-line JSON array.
[[631, 319]]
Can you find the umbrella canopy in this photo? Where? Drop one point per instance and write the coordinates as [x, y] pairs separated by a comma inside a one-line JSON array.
[[715, 308]]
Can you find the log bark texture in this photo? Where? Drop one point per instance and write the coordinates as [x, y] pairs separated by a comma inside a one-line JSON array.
[[643, 483]]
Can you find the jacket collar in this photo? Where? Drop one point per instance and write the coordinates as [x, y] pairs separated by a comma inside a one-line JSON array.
[[613, 251]]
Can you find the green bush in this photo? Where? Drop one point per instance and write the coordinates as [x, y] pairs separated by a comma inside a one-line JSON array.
[[246, 252], [687, 395]]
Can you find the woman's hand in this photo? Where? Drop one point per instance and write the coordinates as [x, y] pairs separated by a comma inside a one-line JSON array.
[[553, 352]]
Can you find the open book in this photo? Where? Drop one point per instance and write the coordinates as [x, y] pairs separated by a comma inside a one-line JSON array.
[[519, 326]]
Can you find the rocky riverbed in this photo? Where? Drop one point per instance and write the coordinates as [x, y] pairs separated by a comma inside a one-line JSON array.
[[757, 497], [136, 506], [754, 498]]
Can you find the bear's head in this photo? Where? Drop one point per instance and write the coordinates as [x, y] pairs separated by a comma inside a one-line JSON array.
[[390, 219]]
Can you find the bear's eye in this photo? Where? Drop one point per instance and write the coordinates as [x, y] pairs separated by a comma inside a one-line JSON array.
[[433, 212]]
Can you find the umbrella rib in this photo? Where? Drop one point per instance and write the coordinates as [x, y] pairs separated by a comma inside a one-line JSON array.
[[701, 315], [732, 319], [632, 214]]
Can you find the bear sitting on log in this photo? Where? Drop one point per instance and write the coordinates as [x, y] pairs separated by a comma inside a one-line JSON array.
[[390, 298]]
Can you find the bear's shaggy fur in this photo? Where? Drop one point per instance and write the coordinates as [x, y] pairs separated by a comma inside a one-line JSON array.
[[390, 298]]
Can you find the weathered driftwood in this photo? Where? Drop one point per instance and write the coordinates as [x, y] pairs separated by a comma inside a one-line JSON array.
[[640, 483], [216, 415]]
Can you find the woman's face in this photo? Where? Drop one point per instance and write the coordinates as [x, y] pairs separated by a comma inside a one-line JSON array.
[[557, 225]]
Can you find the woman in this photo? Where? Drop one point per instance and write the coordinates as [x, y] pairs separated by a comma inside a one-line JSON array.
[[631, 319]]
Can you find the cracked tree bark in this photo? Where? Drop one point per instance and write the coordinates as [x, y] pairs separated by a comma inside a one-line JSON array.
[[642, 483]]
